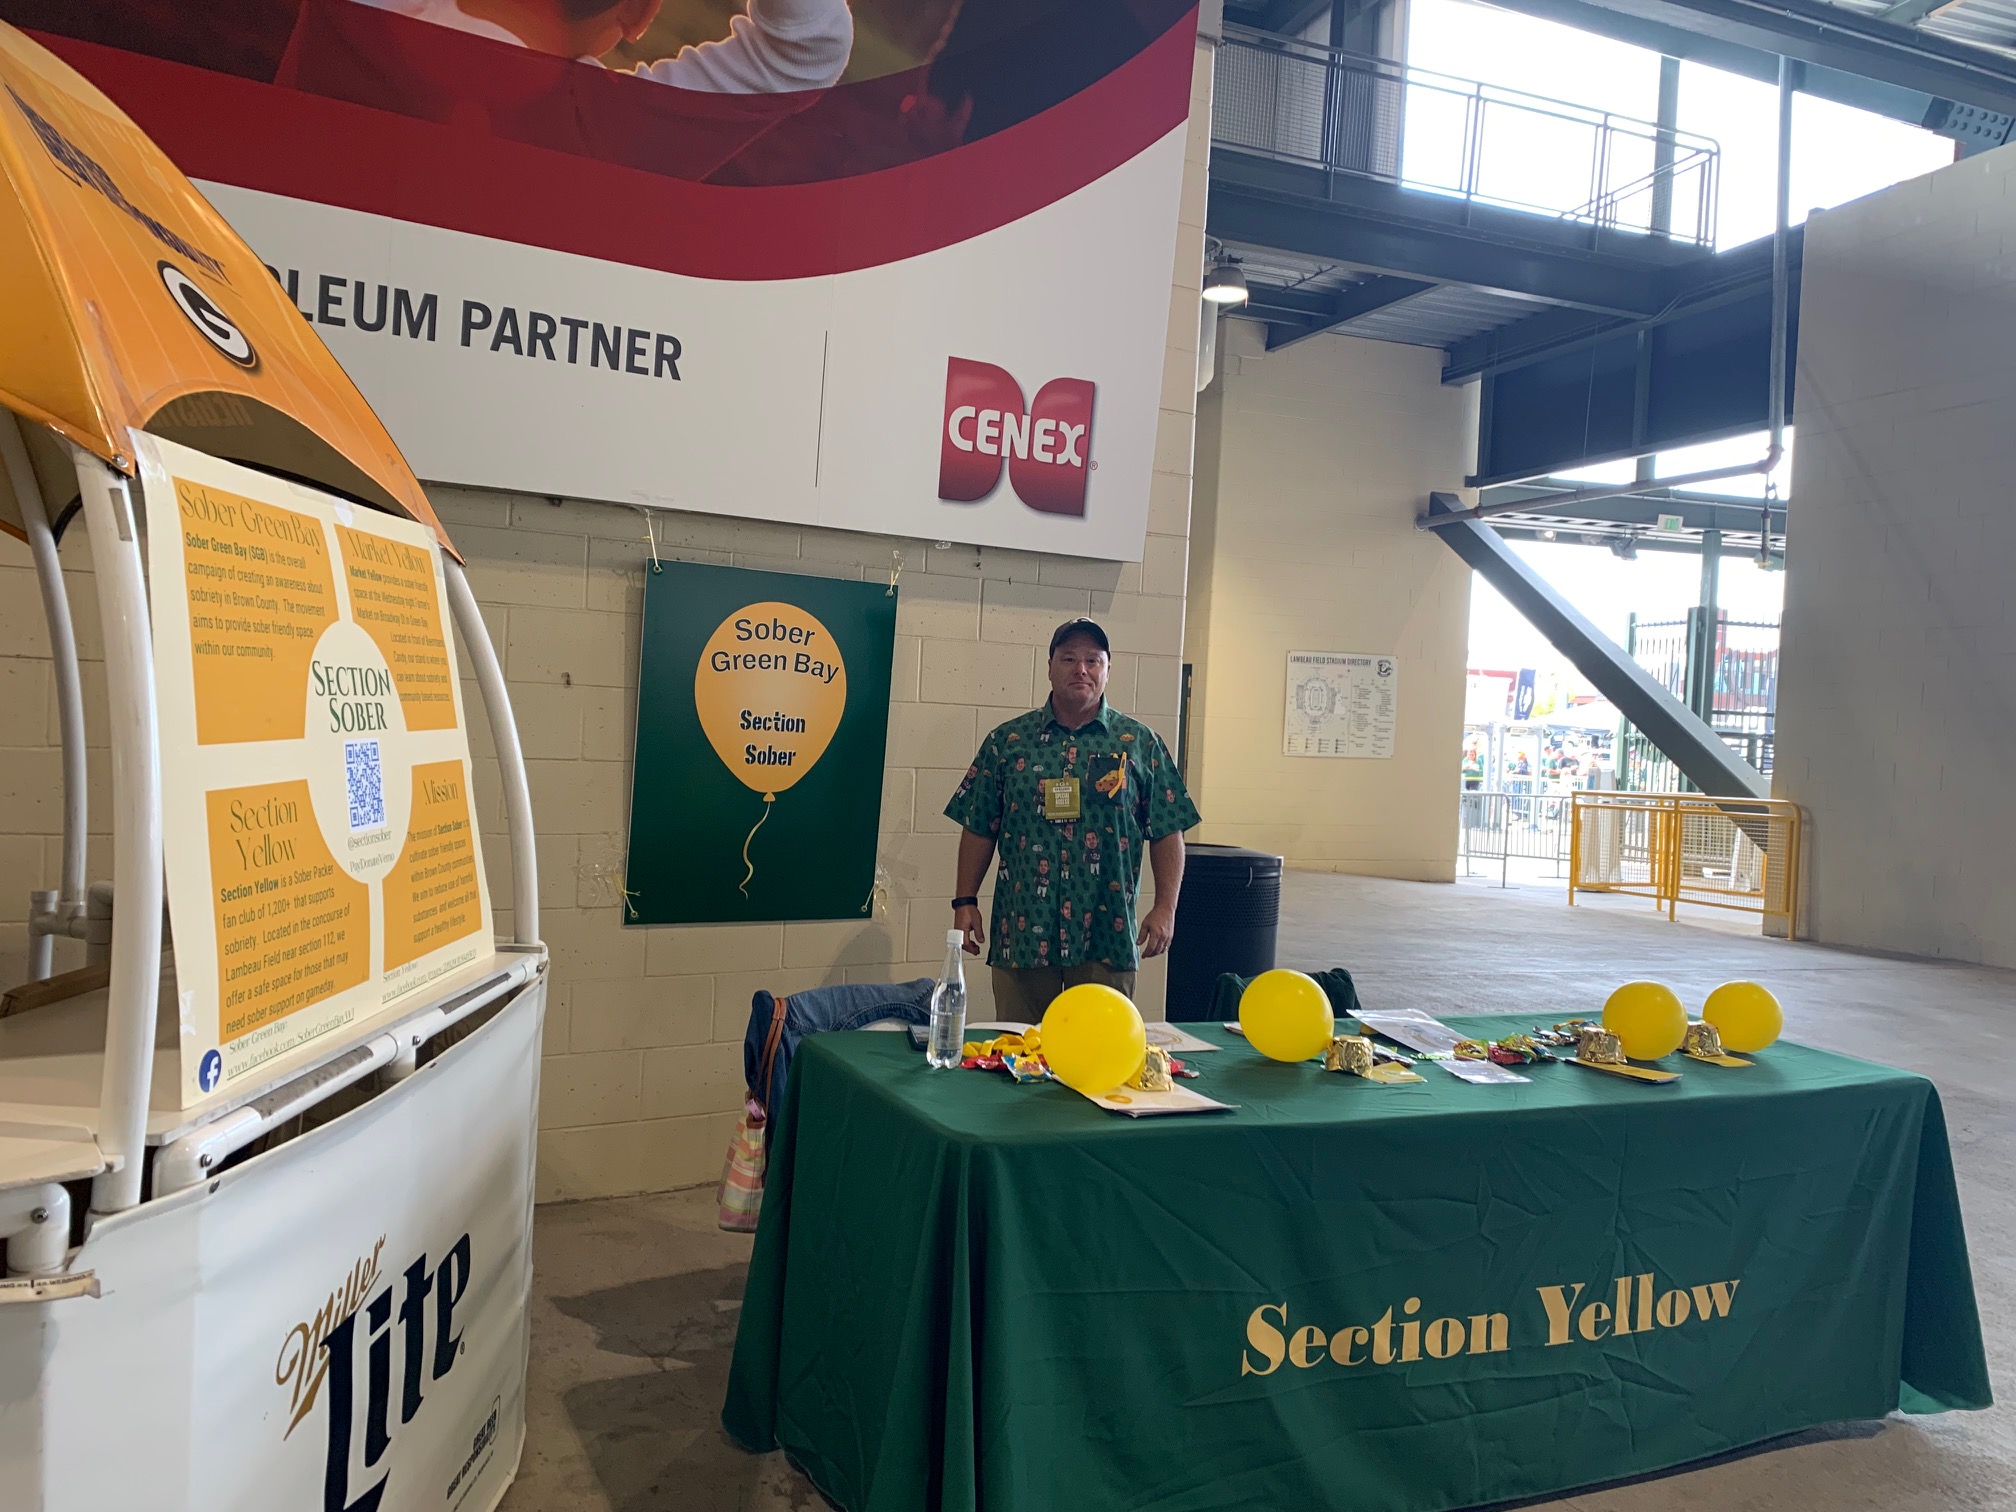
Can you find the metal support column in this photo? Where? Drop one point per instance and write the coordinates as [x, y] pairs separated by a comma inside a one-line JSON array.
[[1693, 747], [1663, 147], [1704, 631]]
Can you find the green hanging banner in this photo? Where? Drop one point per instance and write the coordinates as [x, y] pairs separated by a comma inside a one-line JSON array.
[[762, 718]]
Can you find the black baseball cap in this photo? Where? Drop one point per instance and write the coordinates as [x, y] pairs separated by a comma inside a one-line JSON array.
[[1080, 626]]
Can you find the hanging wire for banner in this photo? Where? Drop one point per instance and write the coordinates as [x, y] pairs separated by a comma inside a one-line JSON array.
[[895, 571], [1764, 537], [743, 885], [651, 536], [878, 893]]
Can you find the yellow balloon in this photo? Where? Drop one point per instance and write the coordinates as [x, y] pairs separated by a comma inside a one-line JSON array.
[[1647, 1019], [1093, 1038], [1286, 1015], [1745, 1014], [770, 689]]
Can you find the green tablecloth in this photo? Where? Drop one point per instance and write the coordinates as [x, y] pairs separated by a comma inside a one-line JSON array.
[[969, 1294]]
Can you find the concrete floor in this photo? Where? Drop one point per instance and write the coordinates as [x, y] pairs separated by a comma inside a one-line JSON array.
[[635, 1298]]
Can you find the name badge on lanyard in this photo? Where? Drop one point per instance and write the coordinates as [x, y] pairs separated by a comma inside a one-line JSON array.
[[1060, 798]]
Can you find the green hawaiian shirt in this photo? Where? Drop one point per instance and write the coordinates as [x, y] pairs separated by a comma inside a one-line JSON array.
[[1065, 891]]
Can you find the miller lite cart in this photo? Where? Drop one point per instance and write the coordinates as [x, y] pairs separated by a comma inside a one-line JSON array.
[[265, 1162]]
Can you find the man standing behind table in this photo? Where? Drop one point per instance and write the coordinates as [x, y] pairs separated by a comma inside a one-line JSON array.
[[1069, 795]]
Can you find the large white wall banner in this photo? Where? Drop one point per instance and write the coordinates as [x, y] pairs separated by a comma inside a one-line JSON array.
[[894, 266]]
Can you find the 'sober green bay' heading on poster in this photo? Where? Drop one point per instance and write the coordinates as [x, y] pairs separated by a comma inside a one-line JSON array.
[[802, 663]]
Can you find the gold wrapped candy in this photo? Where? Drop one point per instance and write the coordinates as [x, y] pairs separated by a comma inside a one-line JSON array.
[[1704, 1043], [1598, 1046], [1471, 1049], [1154, 1075], [1351, 1053], [1704, 1039]]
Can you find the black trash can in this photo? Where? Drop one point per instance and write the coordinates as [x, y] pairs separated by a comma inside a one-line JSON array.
[[1226, 919]]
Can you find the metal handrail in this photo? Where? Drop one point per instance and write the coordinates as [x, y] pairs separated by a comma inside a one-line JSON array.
[[1352, 113], [1672, 847]]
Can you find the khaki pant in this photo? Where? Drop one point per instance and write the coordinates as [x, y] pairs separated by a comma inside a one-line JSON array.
[[1021, 993]]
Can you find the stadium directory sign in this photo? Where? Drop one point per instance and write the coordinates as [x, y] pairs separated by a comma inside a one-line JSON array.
[[319, 829]]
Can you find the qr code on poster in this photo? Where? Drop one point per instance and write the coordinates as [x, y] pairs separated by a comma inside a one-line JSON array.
[[367, 786]]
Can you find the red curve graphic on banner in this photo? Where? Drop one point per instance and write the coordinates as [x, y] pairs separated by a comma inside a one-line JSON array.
[[334, 152]]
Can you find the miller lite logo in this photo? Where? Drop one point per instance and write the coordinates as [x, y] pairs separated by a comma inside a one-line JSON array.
[[408, 1337], [1046, 444]]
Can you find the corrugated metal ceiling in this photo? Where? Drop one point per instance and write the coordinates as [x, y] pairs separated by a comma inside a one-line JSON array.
[[1440, 317], [1983, 23], [1434, 319]]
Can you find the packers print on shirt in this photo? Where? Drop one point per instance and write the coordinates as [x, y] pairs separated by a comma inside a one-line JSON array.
[[1065, 889]]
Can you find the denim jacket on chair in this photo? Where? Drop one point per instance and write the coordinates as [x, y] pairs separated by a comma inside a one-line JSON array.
[[820, 1010]]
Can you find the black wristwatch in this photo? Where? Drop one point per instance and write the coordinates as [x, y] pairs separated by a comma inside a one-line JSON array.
[[959, 903]]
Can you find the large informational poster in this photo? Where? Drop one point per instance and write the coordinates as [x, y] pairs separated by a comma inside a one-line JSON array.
[[1340, 703], [762, 719], [888, 265], [320, 833]]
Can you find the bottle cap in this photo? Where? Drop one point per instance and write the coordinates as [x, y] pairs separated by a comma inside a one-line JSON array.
[[955, 937]]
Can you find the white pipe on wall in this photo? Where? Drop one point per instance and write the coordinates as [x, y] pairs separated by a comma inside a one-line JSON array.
[[63, 659], [135, 989], [1207, 343]]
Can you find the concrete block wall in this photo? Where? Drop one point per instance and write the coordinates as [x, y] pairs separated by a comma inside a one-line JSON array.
[[1312, 464], [31, 766], [1897, 703], [643, 1072]]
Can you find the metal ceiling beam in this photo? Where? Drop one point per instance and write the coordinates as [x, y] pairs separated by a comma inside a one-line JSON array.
[[1690, 291], [1349, 304], [1406, 233], [1822, 35], [1518, 528], [1282, 305], [1669, 724], [1697, 512], [1288, 17], [1911, 12], [1761, 64]]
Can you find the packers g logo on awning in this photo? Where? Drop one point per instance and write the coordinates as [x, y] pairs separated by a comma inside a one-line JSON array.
[[204, 314]]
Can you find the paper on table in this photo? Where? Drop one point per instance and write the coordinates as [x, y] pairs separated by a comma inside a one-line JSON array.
[[999, 1026], [1135, 1103], [1173, 1037], [1420, 1031]]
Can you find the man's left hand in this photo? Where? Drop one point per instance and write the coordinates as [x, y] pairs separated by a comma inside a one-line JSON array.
[[1158, 928]]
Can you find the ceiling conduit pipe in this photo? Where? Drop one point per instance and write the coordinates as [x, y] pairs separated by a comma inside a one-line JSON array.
[[1774, 452]]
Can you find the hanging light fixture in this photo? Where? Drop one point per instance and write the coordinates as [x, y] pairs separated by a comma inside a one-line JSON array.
[[1225, 284]]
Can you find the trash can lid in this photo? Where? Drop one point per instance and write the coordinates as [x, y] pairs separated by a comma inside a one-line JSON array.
[[1233, 855]]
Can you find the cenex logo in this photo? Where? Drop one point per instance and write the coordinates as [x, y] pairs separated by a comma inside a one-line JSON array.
[[1047, 445]]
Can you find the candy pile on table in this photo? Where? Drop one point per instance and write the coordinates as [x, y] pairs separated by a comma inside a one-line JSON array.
[[1021, 1056], [1513, 1050]]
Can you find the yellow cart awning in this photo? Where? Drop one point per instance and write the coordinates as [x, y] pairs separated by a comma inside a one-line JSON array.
[[127, 302]]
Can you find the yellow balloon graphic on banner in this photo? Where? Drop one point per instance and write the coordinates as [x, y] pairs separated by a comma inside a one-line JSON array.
[[770, 689]]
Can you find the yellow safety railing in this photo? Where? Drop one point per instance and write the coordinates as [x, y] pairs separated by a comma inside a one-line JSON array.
[[1735, 853]]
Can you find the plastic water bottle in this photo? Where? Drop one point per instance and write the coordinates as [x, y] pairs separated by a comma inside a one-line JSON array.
[[948, 1005]]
